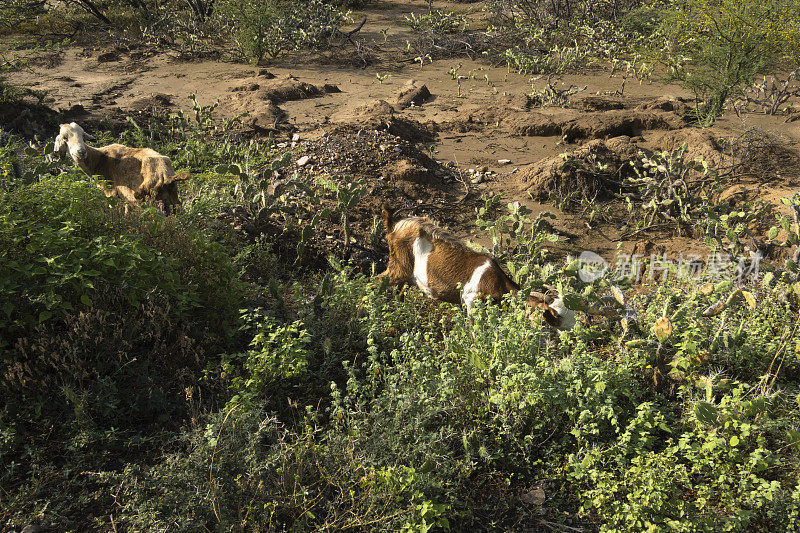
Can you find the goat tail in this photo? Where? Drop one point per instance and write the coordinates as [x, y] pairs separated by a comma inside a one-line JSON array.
[[388, 217]]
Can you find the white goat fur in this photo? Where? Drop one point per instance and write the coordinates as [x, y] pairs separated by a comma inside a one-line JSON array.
[[133, 173]]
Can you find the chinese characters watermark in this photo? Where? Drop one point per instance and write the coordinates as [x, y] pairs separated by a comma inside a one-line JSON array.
[[660, 267]]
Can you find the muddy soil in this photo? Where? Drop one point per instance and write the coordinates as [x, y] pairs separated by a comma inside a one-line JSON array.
[[434, 136]]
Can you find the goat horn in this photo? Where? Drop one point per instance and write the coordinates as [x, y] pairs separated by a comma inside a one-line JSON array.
[[181, 176]]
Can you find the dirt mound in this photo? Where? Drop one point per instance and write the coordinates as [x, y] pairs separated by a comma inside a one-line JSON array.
[[287, 88], [700, 143], [109, 57], [764, 156], [373, 153], [675, 104], [381, 116], [574, 125], [249, 86], [406, 170], [413, 93], [261, 114], [532, 124], [596, 169], [378, 108], [589, 171], [156, 102], [619, 122]]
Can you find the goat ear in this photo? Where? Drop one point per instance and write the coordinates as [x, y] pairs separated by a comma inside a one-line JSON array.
[[89, 137], [388, 217], [537, 298]]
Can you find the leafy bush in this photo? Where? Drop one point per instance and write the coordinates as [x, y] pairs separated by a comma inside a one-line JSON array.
[[729, 42], [268, 27], [104, 322], [175, 396], [438, 22]]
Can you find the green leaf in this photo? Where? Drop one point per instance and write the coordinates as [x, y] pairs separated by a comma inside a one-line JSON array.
[[734, 441], [773, 233], [573, 267], [574, 302], [86, 300], [706, 413]]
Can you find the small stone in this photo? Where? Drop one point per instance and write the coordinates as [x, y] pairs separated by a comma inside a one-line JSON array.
[[295, 137], [477, 179], [303, 161], [503, 161], [483, 170], [382, 147], [471, 171]]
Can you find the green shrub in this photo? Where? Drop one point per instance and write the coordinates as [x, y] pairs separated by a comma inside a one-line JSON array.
[[728, 43], [268, 27], [437, 22]]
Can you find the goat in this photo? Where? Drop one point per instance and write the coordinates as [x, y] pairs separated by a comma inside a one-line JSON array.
[[444, 268], [134, 173]]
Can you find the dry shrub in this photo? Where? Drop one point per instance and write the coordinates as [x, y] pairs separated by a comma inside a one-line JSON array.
[[761, 155], [145, 352]]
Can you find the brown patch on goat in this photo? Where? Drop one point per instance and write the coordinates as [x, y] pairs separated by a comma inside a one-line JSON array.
[[133, 174], [450, 264]]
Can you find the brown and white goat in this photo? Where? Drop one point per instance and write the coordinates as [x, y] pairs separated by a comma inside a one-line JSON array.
[[134, 173], [444, 268]]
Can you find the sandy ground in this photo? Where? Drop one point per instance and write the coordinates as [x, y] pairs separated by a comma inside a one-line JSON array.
[[476, 117]]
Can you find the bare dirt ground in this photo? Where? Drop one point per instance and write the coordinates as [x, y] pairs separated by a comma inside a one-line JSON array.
[[475, 134]]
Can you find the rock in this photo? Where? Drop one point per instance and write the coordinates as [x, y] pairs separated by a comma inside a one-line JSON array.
[[303, 161], [503, 161], [413, 93], [330, 88], [267, 75]]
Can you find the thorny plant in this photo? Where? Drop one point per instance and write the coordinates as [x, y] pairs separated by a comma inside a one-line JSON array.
[[437, 22], [515, 235], [670, 186], [348, 193], [770, 95], [729, 229], [791, 228], [551, 96], [253, 188]]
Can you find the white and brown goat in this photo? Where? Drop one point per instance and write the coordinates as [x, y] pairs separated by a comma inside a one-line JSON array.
[[444, 268], [133, 173]]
